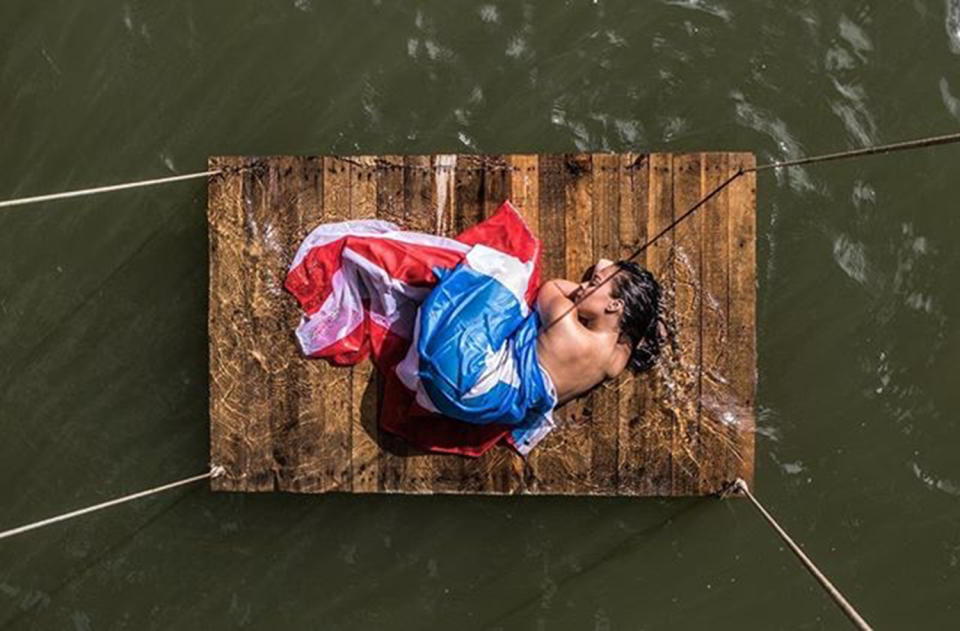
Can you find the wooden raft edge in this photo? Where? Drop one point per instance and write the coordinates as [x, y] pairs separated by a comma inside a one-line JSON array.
[[747, 429]]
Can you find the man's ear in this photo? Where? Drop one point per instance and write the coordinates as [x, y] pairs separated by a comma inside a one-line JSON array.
[[614, 305]]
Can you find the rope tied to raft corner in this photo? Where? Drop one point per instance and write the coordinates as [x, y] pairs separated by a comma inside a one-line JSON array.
[[22, 201], [739, 487], [215, 471]]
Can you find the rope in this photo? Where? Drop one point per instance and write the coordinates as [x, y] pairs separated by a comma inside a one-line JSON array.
[[930, 141], [740, 486], [214, 472], [918, 143], [105, 189], [381, 163]]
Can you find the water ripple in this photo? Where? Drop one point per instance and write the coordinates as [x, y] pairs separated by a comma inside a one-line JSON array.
[[851, 257], [788, 147], [489, 13], [953, 25], [710, 8], [951, 102], [844, 61], [931, 482]]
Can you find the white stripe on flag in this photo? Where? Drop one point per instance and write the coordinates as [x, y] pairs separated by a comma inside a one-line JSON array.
[[512, 273], [329, 232]]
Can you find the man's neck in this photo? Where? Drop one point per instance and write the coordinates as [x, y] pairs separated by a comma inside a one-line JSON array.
[[598, 324]]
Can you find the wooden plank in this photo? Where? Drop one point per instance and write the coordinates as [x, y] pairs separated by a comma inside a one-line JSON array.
[[498, 470], [496, 183], [390, 207], [578, 250], [468, 209], [632, 391], [742, 370], [364, 451], [334, 440], [715, 450], [684, 396], [504, 467], [253, 320], [565, 454], [542, 467], [605, 205], [550, 186], [422, 472], [658, 420], [525, 196], [445, 178], [256, 323], [230, 422], [296, 194], [469, 192], [524, 192]]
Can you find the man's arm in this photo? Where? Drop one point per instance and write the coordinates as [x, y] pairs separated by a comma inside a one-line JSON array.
[[554, 298], [566, 287]]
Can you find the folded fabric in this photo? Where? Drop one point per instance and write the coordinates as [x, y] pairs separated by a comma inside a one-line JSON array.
[[448, 322]]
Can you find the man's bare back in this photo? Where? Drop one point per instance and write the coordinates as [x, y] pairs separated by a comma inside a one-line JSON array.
[[583, 347]]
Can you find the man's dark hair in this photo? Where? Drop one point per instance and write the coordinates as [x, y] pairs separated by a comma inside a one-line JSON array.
[[641, 316]]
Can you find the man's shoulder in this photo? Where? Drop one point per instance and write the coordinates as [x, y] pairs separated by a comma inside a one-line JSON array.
[[570, 339], [570, 335], [554, 307]]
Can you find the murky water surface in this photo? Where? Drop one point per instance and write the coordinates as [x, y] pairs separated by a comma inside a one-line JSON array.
[[103, 348]]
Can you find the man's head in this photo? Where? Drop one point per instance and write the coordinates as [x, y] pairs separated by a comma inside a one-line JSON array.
[[632, 298]]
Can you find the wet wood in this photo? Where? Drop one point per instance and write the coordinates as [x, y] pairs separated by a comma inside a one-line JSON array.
[[423, 472], [501, 472], [715, 391], [741, 366], [659, 423], [605, 229], [390, 207], [364, 449], [543, 466], [632, 468], [295, 430], [283, 422], [684, 396]]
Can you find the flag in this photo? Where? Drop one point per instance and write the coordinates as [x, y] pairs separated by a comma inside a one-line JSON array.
[[459, 363]]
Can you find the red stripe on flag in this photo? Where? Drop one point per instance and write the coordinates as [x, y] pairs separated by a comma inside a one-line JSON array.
[[411, 263]]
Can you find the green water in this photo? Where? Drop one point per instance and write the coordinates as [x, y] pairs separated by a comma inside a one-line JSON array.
[[103, 347]]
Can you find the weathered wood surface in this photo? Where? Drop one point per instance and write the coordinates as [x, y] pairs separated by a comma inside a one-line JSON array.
[[280, 421]]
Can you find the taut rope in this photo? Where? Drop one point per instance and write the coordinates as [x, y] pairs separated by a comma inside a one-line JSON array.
[[214, 472], [739, 486], [929, 141], [105, 189]]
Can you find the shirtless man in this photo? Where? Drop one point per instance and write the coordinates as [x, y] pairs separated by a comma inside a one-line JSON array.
[[614, 323]]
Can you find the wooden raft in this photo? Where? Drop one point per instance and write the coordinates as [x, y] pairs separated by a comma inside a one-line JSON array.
[[282, 422]]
